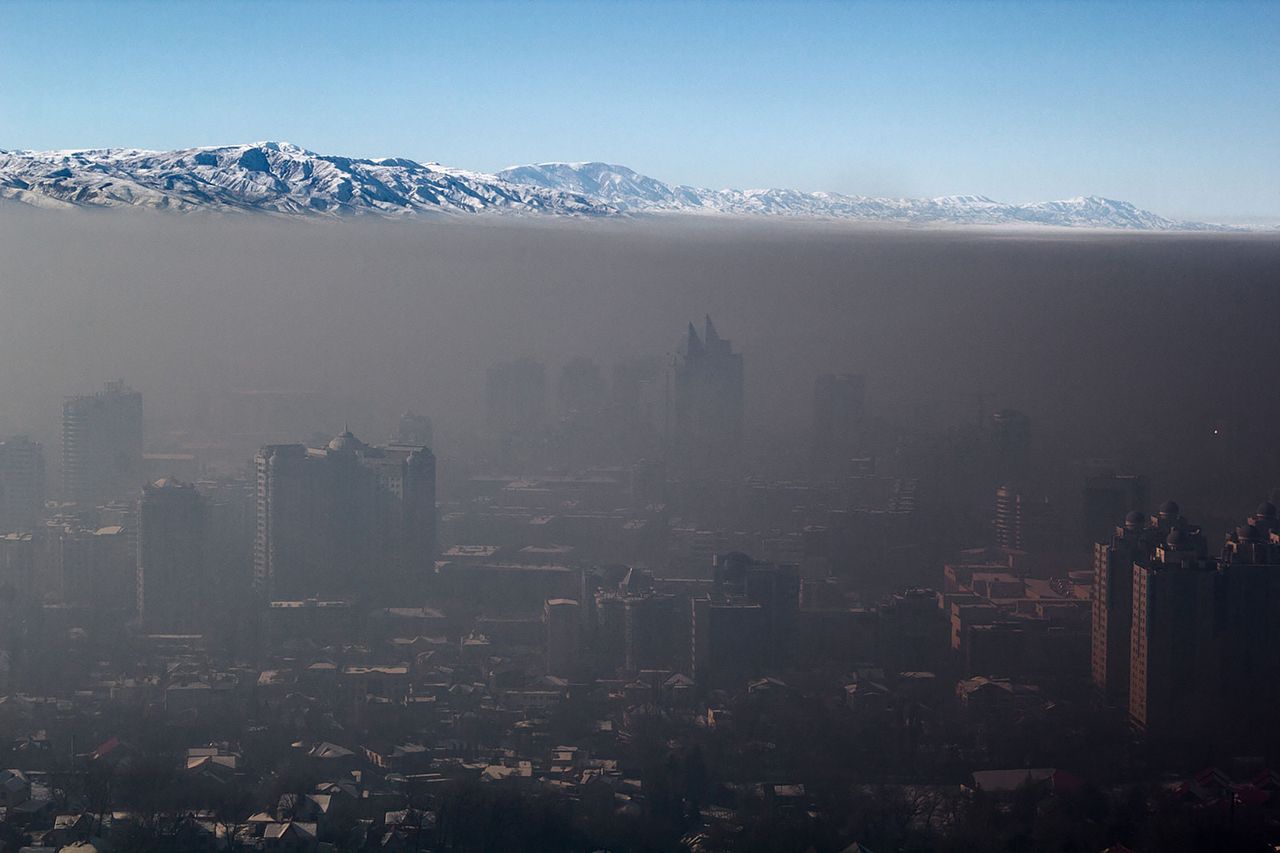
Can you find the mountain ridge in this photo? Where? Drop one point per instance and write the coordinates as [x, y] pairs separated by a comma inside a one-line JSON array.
[[285, 179], [634, 192]]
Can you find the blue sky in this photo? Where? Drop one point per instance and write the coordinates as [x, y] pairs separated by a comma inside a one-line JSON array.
[[1174, 106]]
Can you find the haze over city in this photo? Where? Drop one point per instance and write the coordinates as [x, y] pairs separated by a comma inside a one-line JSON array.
[[417, 435]]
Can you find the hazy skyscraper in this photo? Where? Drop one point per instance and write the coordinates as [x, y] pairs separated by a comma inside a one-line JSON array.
[[1173, 665], [1024, 523], [707, 403], [1249, 602], [837, 422], [562, 617], [346, 519], [21, 483], [102, 444], [1113, 563], [1109, 496], [173, 581], [515, 407]]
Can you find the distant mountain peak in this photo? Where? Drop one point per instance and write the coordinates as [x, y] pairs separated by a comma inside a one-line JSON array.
[[280, 177], [268, 176]]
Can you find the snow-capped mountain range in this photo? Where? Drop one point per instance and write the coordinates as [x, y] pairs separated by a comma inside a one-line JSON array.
[[633, 192], [280, 178]]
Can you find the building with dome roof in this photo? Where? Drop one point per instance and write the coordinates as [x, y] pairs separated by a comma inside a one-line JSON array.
[[344, 520]]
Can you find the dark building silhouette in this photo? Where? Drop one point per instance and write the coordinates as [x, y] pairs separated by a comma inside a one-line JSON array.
[[102, 444], [515, 412], [649, 623], [729, 641], [1113, 561], [1173, 666], [1108, 496], [747, 624], [838, 402], [22, 482], [1184, 640], [346, 519], [173, 583], [707, 404], [94, 566], [1249, 607], [563, 619]]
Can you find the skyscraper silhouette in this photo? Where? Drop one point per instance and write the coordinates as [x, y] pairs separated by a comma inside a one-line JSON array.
[[707, 404], [837, 423], [102, 444], [346, 520]]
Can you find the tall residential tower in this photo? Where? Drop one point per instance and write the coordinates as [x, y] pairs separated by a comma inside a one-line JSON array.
[[102, 444]]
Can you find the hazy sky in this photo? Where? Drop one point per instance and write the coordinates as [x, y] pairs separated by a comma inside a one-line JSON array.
[[1173, 106]]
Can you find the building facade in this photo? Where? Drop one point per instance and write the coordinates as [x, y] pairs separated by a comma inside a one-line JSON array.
[[102, 445], [346, 520], [173, 585], [22, 483]]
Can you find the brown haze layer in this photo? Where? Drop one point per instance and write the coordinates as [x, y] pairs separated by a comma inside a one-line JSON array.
[[1137, 345]]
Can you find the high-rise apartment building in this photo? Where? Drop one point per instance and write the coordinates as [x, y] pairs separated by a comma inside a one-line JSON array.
[[1024, 522], [174, 582], [649, 633], [90, 566], [347, 519], [748, 624], [21, 483], [1184, 640], [1113, 562], [102, 445], [729, 640], [1249, 608], [1173, 650]]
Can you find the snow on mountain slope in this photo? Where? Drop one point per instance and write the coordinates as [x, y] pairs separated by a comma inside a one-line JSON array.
[[281, 178], [268, 176], [630, 191]]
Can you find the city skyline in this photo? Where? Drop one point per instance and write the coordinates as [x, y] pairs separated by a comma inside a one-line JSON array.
[[352, 502]]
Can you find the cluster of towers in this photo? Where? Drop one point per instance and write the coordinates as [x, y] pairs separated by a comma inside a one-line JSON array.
[[1180, 637]]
